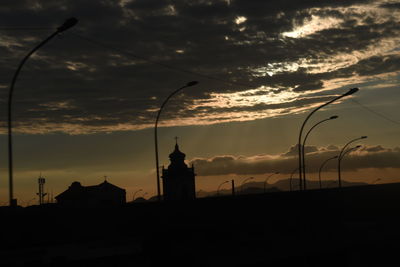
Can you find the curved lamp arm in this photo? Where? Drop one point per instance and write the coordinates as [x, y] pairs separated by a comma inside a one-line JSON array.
[[341, 153], [266, 179], [350, 92], [155, 133], [304, 145], [219, 187], [320, 169], [243, 182], [69, 23], [341, 156]]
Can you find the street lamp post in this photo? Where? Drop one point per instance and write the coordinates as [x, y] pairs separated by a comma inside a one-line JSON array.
[[269, 176], [341, 153], [69, 23], [341, 156], [242, 184], [304, 145], [220, 186], [155, 133], [350, 92], [320, 169], [134, 194]]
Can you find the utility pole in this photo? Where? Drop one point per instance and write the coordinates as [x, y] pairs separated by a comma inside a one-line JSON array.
[[41, 194]]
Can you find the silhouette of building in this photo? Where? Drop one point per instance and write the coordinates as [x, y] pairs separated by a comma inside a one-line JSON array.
[[178, 179], [104, 194]]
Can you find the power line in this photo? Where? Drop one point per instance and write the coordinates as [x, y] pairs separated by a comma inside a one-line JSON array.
[[109, 47], [375, 112]]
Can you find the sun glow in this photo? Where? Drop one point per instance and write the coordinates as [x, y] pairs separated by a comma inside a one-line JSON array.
[[240, 20], [248, 98], [313, 25]]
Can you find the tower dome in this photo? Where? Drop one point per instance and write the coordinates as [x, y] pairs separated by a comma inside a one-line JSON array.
[[178, 178], [177, 155]]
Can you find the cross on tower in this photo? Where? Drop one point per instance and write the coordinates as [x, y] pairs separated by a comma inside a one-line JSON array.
[[176, 140]]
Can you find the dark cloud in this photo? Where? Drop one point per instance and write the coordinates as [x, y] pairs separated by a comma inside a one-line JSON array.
[[121, 60], [365, 157], [391, 5]]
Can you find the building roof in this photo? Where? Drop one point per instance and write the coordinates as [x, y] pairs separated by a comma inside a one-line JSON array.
[[77, 189], [177, 154]]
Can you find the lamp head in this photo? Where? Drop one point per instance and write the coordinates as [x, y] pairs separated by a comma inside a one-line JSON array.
[[363, 137], [351, 91], [358, 146], [69, 23], [191, 83], [334, 117]]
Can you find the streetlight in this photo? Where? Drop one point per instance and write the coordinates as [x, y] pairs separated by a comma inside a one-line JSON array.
[[69, 23], [350, 92], [220, 186], [342, 151], [242, 184], [265, 182], [155, 132], [291, 177], [320, 169], [341, 156], [134, 194], [304, 145]]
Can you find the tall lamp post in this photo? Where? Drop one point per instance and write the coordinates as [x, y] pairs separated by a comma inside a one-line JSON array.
[[350, 92], [304, 145], [341, 153], [242, 184], [269, 176], [219, 187], [155, 133], [69, 23], [320, 169], [341, 156]]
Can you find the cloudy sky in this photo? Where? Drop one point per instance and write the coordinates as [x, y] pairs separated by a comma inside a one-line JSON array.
[[85, 104]]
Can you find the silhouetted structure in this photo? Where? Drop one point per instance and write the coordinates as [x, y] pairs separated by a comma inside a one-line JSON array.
[[104, 194], [41, 194], [178, 179]]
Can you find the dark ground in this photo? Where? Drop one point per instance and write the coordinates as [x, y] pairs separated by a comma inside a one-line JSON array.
[[354, 226]]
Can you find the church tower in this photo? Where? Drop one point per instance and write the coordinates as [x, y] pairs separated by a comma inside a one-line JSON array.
[[178, 179]]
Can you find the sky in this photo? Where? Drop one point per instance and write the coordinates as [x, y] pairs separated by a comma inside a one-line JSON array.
[[85, 104]]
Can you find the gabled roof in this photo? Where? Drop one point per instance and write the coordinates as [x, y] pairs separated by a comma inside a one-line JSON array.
[[104, 186], [77, 189]]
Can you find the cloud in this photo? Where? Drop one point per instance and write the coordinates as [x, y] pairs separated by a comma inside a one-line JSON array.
[[121, 61], [365, 157]]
